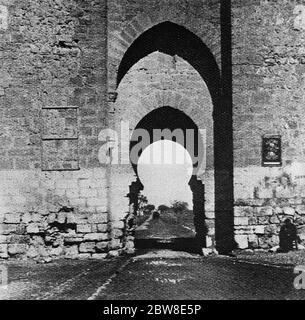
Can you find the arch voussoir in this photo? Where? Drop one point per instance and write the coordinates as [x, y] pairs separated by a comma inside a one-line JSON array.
[[171, 98], [143, 20], [149, 102], [135, 28]]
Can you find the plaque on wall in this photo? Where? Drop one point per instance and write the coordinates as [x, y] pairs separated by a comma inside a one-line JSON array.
[[271, 150]]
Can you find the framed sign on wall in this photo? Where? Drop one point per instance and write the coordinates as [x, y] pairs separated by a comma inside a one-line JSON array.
[[271, 150]]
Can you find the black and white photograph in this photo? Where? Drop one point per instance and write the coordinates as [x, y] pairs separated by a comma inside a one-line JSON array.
[[152, 154]]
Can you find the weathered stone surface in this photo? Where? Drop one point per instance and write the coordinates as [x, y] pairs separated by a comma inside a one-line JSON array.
[[71, 252], [14, 249], [98, 218], [102, 246], [271, 229], [84, 228], [243, 229], [253, 220], [26, 218], [32, 252], [99, 256], [60, 155], [33, 228], [117, 225], [96, 237], [59, 123], [4, 16], [242, 241], [274, 220], [278, 210], [6, 229], [12, 218], [243, 221], [259, 229], [61, 217], [15, 238], [115, 244], [268, 242], [129, 247], [4, 251], [74, 239], [114, 253], [87, 247], [116, 233], [265, 211], [52, 218], [84, 256], [300, 209], [289, 211], [253, 241], [263, 220], [102, 227]]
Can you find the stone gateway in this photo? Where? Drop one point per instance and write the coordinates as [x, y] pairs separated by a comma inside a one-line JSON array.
[[73, 70]]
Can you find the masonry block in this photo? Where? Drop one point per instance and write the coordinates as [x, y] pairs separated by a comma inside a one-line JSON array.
[[3, 251], [98, 218], [102, 246], [84, 228], [242, 241], [99, 256], [60, 155], [60, 123], [87, 247], [33, 228], [244, 221], [14, 249], [96, 237], [3, 17], [13, 218], [102, 227], [71, 251]]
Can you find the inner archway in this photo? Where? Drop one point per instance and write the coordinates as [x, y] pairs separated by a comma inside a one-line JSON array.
[[176, 41], [167, 126]]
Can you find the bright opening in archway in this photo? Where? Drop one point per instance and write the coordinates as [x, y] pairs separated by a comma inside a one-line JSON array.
[[165, 169]]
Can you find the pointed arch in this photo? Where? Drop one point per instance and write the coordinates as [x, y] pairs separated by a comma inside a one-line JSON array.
[[173, 39]]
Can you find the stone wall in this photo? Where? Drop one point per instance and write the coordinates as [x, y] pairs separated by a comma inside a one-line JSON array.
[[60, 86], [53, 190], [268, 82]]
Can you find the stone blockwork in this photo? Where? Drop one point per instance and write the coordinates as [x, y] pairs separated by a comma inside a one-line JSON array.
[[128, 20], [156, 81], [52, 108], [59, 87], [71, 219], [268, 98], [159, 80]]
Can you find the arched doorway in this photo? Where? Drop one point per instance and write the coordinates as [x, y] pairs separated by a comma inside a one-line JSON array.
[[167, 123], [176, 41]]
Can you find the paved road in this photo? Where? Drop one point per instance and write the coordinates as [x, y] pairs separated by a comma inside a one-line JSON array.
[[166, 232], [166, 227], [162, 273]]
